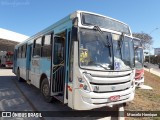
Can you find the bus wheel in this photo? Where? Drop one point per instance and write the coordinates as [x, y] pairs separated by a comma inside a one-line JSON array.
[[18, 76], [46, 90]]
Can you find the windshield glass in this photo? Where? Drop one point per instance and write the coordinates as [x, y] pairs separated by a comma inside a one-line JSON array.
[[94, 50], [136, 42], [139, 58], [104, 22], [123, 52]]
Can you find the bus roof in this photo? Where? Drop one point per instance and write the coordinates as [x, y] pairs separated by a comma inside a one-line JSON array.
[[69, 17]]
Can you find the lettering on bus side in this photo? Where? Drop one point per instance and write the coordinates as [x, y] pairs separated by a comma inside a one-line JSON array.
[[35, 62]]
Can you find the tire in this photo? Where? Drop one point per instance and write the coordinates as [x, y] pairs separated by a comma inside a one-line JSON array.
[[18, 76], [45, 90]]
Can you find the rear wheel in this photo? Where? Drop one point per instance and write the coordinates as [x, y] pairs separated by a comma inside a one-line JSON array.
[[46, 90]]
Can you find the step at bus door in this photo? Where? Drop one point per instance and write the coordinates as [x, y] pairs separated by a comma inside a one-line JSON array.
[[58, 67]]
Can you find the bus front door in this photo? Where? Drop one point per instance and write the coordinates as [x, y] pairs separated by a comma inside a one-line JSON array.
[[58, 68]]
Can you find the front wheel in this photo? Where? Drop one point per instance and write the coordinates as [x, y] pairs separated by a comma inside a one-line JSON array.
[[46, 90]]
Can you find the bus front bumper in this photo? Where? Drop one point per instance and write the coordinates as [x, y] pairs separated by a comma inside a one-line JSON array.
[[89, 100]]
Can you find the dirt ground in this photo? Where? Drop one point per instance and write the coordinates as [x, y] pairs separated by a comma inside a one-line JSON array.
[[146, 100]]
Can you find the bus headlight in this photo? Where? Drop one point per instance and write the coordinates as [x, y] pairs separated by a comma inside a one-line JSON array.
[[80, 80], [83, 85]]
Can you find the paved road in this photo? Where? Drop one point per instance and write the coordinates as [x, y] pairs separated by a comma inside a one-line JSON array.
[[19, 96]]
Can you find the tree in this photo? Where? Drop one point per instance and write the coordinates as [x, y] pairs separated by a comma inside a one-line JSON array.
[[145, 38]]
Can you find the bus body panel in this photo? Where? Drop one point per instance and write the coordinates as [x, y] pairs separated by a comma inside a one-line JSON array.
[[21, 65], [39, 66]]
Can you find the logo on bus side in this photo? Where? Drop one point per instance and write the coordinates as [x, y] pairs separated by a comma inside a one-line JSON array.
[[35, 62], [96, 88]]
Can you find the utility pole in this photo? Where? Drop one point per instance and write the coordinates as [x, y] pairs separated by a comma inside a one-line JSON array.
[[150, 46]]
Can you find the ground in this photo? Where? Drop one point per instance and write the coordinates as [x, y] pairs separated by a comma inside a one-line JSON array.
[[146, 100], [20, 96]]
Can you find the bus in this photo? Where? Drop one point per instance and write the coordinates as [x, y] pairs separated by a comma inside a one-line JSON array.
[[7, 59], [85, 60], [139, 62]]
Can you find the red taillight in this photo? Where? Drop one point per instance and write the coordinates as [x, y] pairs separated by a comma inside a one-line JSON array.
[[139, 74]]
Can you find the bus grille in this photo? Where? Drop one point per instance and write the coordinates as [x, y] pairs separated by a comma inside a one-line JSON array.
[[106, 84]]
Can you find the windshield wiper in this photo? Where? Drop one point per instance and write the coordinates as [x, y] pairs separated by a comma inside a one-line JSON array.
[[97, 28], [121, 40], [120, 43], [108, 45], [99, 64]]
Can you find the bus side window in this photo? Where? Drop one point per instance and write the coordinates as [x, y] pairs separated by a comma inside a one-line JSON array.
[[37, 47], [46, 48], [24, 51], [19, 52]]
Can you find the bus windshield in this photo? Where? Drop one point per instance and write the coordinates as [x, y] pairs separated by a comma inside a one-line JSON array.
[[96, 51], [104, 22], [93, 52], [139, 58], [123, 52]]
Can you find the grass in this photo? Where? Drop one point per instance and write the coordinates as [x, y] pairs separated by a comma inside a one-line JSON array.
[[146, 100]]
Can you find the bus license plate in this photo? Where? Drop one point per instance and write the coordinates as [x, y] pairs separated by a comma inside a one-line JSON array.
[[114, 98]]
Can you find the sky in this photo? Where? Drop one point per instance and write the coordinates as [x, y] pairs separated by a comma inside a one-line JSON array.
[[31, 16]]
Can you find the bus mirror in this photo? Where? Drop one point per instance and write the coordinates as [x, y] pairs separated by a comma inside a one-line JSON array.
[[74, 34], [75, 22]]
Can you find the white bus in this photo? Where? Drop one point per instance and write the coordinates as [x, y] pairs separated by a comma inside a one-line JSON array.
[[85, 60], [139, 62]]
